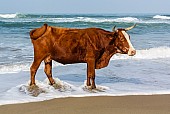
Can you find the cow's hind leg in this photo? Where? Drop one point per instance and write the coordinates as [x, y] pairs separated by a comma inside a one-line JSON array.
[[33, 69], [48, 70], [91, 73]]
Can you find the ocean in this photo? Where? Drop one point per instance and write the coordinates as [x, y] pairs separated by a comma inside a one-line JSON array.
[[146, 73]]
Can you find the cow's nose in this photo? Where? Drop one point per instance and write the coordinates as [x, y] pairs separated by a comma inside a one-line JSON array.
[[131, 52]]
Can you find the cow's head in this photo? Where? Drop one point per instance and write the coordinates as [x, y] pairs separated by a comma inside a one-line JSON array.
[[122, 41]]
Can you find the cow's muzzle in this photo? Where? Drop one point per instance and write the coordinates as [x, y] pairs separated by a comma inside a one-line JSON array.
[[131, 52]]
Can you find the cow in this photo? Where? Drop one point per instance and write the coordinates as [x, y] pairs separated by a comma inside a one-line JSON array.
[[94, 46]]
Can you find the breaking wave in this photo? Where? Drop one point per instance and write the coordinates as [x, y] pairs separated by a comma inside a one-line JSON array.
[[152, 53], [15, 68], [8, 15], [99, 20], [161, 17], [14, 15], [95, 20]]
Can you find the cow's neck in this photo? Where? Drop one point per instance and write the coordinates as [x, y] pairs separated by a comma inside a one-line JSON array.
[[110, 50], [105, 58]]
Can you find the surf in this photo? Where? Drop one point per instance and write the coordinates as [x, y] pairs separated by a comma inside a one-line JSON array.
[[161, 17], [8, 15], [151, 53], [37, 18], [162, 52]]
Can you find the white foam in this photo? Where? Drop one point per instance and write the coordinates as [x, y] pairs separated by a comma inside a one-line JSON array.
[[101, 20], [95, 20], [152, 53], [8, 15], [15, 68], [127, 19], [21, 94], [161, 17]]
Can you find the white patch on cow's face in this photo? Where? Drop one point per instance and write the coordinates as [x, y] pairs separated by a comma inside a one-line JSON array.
[[131, 48]]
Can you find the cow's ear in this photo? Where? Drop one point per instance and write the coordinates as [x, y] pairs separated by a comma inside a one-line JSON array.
[[45, 24], [115, 34]]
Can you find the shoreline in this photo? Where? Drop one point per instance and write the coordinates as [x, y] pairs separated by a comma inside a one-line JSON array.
[[136, 104]]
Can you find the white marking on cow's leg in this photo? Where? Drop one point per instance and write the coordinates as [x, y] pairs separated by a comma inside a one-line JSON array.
[[131, 48]]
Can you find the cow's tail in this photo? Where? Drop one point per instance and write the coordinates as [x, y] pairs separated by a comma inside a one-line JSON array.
[[36, 33]]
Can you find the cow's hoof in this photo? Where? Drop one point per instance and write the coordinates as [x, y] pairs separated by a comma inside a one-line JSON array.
[[88, 83], [32, 87], [93, 87], [89, 89], [34, 90], [57, 86]]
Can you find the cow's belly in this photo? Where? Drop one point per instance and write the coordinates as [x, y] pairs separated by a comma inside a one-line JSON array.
[[68, 54], [69, 59]]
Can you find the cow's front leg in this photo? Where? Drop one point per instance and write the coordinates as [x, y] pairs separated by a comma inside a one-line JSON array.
[[91, 73]]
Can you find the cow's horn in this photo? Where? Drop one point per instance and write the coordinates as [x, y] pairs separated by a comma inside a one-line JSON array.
[[114, 28], [129, 28]]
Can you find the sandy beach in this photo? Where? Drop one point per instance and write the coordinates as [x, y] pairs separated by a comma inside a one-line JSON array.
[[152, 104]]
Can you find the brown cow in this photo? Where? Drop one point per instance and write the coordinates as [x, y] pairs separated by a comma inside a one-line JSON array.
[[93, 46]]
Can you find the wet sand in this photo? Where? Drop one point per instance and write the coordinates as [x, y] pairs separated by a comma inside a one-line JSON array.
[[152, 104]]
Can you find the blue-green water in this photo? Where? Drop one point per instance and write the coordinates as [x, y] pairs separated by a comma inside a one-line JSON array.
[[15, 46], [148, 72]]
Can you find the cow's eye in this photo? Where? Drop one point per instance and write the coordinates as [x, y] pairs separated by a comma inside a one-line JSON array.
[[122, 39]]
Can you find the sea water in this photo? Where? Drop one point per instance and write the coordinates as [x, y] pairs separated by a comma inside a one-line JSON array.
[[146, 73]]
